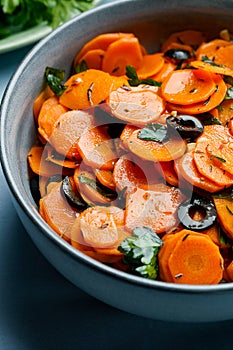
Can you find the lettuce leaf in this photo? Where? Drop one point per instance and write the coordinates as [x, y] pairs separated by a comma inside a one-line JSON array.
[[18, 15]]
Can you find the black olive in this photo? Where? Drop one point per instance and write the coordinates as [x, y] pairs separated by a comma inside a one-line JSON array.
[[205, 205], [187, 126], [178, 55], [73, 197]]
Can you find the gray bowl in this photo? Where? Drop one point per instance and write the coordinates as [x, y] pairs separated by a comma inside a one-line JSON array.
[[150, 20]]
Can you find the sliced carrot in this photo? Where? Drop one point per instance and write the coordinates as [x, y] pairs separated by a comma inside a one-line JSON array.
[[213, 232], [127, 131], [58, 213], [99, 226], [155, 208], [67, 130], [188, 86], [156, 151], [93, 58], [38, 102], [97, 148], [89, 188], [216, 147], [201, 107], [151, 64], [50, 111], [196, 260], [106, 178], [119, 54], [224, 56], [130, 173], [167, 68], [40, 165], [59, 159], [186, 37], [224, 207], [210, 48], [137, 105], [102, 42], [225, 112], [186, 167], [88, 88], [165, 251], [169, 173], [213, 67]]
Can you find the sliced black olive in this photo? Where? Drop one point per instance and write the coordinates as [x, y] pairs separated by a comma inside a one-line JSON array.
[[187, 126], [178, 55], [72, 196], [205, 205]]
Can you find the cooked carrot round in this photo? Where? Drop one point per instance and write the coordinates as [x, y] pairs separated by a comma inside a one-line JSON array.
[[67, 130], [151, 64], [156, 151], [188, 86], [137, 105], [196, 260]]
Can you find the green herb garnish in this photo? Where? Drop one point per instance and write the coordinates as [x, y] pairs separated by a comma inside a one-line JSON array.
[[140, 252], [81, 67], [104, 191], [19, 15], [218, 158], [229, 93], [153, 132], [211, 62], [54, 78], [135, 81]]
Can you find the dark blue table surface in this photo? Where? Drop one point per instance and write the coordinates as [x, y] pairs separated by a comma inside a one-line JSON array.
[[39, 309]]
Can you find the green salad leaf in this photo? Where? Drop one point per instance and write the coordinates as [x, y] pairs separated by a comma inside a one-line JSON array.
[[140, 252], [18, 15]]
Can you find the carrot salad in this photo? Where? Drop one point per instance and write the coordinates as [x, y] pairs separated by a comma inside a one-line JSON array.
[[133, 163]]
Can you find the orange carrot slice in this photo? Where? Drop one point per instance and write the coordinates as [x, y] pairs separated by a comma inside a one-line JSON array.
[[58, 213], [188, 86], [224, 207], [201, 107], [151, 64], [67, 130], [209, 49], [39, 164], [102, 42], [169, 173], [186, 167], [196, 260], [97, 148], [224, 56], [213, 67], [167, 68], [119, 54], [42, 97], [187, 37], [106, 178], [49, 113], [156, 151], [93, 58], [137, 105], [99, 226], [216, 147], [88, 88], [155, 208]]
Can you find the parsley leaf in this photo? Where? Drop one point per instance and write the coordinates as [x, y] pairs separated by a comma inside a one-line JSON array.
[[54, 78], [18, 15], [153, 132], [135, 81], [140, 252]]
